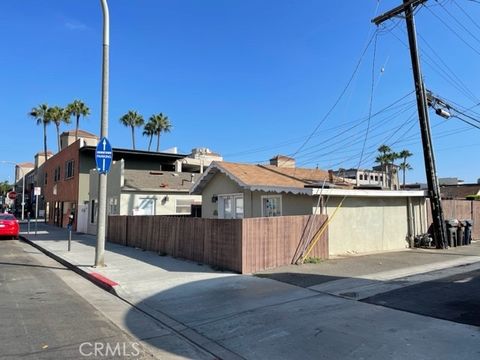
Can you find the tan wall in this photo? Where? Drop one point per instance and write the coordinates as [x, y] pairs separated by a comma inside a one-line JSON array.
[[219, 185], [291, 204], [369, 224]]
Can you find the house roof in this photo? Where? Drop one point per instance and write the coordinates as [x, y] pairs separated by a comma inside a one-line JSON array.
[[263, 177], [459, 191], [81, 133], [158, 181]]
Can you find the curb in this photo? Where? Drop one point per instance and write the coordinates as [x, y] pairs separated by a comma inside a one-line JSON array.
[[95, 278], [216, 350]]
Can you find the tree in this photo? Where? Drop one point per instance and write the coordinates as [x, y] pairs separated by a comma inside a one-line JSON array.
[[132, 119], [404, 166], [41, 115], [162, 124], [384, 158], [149, 130], [77, 108], [58, 115]]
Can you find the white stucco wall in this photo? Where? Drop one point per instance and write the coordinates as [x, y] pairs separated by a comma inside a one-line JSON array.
[[165, 204], [364, 224]]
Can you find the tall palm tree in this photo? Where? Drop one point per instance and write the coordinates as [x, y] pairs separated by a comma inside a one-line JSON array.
[[77, 108], [58, 116], [404, 166], [149, 130], [162, 124], [132, 119], [384, 158], [41, 115]]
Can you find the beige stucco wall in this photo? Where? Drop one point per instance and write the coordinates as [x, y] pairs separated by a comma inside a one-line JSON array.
[[131, 201], [372, 224], [114, 182], [219, 185], [291, 204]]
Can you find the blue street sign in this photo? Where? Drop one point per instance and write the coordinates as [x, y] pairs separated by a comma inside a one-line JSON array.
[[103, 156]]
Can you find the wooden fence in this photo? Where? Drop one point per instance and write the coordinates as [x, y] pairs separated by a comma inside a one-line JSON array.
[[461, 210], [241, 245]]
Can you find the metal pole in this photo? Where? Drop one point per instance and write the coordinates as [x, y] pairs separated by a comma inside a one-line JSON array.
[[431, 174], [102, 181], [23, 195], [36, 214], [69, 238]]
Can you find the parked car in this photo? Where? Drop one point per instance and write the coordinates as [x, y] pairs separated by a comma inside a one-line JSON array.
[[9, 226]]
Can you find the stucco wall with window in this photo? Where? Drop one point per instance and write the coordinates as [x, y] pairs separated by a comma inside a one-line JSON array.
[[218, 185], [291, 204]]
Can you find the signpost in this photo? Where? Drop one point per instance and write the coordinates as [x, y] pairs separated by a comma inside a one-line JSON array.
[[36, 191], [12, 195], [103, 156]]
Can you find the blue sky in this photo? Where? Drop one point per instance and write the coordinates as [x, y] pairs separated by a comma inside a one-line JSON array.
[[247, 79]]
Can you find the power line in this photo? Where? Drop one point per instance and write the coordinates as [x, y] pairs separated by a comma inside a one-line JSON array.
[[342, 93], [452, 30]]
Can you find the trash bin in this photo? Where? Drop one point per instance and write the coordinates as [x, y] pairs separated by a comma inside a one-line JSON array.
[[460, 233], [452, 225], [468, 232]]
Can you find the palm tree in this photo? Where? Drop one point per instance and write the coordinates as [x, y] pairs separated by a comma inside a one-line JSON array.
[[41, 115], [58, 115], [162, 124], [77, 108], [404, 166], [384, 158], [132, 119], [149, 130]]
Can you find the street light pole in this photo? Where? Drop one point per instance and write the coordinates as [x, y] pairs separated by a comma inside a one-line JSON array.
[[102, 181]]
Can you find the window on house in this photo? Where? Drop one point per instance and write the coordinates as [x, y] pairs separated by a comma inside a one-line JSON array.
[[230, 206], [56, 175], [113, 206], [45, 178], [376, 177], [271, 205], [183, 206], [69, 169]]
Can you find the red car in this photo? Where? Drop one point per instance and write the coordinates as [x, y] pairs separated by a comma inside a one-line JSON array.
[[9, 226]]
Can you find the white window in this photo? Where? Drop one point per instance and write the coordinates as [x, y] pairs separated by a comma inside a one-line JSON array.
[[271, 205], [147, 206], [230, 206], [183, 206]]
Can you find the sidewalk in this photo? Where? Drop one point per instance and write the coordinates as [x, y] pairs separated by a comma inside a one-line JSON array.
[[238, 316]]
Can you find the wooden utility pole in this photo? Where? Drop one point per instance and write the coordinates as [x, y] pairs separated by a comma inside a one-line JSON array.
[[439, 230]]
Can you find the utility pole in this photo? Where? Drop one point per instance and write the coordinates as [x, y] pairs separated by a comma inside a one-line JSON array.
[[102, 181], [439, 230]]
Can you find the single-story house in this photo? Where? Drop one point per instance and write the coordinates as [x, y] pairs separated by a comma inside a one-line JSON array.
[[141, 192], [359, 220]]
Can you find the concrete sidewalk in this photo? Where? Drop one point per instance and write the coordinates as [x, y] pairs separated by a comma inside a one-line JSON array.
[[237, 316]]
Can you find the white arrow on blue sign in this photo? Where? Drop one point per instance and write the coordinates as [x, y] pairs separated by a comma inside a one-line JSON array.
[[103, 156]]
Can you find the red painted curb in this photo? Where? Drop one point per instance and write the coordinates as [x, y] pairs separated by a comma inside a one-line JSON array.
[[103, 279]]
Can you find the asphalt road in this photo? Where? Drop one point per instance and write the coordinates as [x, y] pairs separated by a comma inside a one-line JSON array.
[[41, 317], [455, 298]]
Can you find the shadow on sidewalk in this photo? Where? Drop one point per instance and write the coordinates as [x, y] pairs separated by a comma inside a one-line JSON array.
[[167, 263]]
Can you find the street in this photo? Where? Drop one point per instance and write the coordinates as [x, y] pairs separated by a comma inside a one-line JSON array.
[[41, 317], [455, 298]]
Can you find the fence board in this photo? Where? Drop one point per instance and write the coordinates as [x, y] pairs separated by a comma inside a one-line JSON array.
[[241, 245], [461, 210]]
